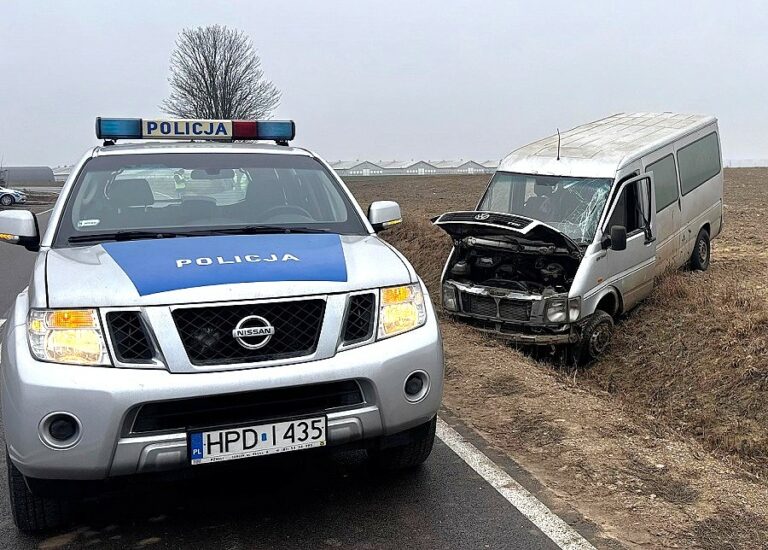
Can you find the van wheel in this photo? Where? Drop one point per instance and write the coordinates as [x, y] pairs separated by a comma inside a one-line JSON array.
[[701, 252], [416, 449], [596, 335], [33, 513]]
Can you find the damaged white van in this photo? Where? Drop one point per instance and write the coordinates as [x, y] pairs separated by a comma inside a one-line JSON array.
[[573, 228]]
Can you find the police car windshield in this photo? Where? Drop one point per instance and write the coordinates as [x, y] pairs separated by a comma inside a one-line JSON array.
[[193, 193], [570, 205]]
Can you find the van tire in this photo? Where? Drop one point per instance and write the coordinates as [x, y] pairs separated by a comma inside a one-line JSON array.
[[702, 251], [596, 333], [32, 513], [408, 455]]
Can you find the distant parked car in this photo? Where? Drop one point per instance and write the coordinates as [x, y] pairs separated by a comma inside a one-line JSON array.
[[9, 197]]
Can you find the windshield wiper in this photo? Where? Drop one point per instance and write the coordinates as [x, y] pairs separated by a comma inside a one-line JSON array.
[[260, 229], [144, 234], [123, 236]]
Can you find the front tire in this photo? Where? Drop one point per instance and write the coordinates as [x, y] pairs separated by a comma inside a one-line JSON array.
[[701, 252], [33, 513], [596, 335], [412, 453], [6, 200]]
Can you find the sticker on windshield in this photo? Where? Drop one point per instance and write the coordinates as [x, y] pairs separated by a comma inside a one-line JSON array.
[[88, 223]]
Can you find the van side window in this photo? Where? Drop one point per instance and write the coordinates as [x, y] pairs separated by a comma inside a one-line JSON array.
[[665, 181], [698, 162], [631, 206]]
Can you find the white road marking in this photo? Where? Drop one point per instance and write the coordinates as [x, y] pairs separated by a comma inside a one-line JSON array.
[[532, 508], [44, 212]]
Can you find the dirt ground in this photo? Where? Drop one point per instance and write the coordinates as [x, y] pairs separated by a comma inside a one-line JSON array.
[[664, 441]]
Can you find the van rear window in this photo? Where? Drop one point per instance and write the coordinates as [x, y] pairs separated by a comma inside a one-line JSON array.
[[698, 162]]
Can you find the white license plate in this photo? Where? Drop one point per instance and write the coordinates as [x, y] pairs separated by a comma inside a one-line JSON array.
[[263, 439]]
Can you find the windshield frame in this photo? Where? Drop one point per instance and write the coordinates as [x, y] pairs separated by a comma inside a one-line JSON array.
[[610, 183], [65, 229]]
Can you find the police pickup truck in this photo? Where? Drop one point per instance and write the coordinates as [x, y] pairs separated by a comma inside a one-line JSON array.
[[201, 301]]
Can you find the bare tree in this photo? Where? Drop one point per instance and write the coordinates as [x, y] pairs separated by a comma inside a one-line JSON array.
[[216, 73]]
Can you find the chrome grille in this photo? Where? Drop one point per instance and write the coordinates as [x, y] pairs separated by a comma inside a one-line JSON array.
[[206, 332]]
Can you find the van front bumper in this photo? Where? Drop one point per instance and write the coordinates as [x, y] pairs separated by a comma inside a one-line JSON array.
[[104, 398], [524, 335]]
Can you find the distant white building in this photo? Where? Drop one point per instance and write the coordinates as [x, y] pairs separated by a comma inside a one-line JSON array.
[[412, 167], [26, 176]]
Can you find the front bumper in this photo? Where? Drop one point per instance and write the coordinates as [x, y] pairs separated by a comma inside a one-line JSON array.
[[102, 398], [527, 335]]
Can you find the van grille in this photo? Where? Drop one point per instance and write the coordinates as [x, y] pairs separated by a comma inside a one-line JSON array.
[[479, 305], [514, 310], [501, 308], [240, 408], [206, 332]]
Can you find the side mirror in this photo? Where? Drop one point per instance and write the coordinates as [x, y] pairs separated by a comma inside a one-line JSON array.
[[384, 214], [20, 227], [618, 237]]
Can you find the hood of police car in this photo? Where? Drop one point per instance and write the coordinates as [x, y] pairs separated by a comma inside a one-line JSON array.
[[220, 268]]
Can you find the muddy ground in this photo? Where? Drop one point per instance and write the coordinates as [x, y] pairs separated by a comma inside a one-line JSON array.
[[664, 441]]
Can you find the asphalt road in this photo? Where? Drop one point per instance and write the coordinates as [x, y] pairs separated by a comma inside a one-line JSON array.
[[305, 500]]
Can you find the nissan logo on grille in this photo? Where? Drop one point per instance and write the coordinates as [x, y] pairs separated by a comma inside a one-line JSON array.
[[253, 332]]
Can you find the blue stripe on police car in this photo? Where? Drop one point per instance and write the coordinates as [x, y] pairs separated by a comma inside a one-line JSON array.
[[172, 264]]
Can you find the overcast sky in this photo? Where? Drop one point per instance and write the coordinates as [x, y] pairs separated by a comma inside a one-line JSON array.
[[394, 80]]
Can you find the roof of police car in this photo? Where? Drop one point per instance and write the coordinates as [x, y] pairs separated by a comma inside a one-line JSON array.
[[599, 148], [146, 147]]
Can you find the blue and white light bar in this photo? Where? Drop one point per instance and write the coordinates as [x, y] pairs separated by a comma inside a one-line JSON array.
[[219, 130]]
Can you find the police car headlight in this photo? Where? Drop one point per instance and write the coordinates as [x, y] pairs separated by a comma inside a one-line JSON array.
[[401, 309], [71, 336], [557, 310]]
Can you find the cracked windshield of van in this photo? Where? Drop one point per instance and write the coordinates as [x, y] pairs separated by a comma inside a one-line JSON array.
[[570, 205], [124, 197]]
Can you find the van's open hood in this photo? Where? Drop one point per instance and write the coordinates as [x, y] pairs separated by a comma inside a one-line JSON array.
[[486, 224], [219, 268]]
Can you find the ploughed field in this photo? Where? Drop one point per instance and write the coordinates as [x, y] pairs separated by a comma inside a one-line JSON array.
[[665, 439]]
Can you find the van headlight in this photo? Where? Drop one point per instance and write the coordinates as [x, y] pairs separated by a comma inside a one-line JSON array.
[[450, 302], [401, 308], [557, 310], [71, 336]]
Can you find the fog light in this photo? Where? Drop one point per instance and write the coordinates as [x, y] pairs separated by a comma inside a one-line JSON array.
[[62, 428], [416, 386]]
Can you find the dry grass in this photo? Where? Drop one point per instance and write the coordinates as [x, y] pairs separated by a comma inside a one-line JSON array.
[[626, 440]]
